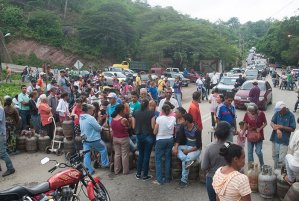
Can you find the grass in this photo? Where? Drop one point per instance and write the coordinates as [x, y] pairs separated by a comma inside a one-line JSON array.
[[9, 89]]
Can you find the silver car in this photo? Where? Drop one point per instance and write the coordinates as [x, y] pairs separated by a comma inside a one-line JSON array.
[[110, 75]]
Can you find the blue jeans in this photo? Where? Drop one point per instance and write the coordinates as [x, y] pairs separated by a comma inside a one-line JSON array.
[[192, 156], [210, 189], [258, 151], [178, 97], [279, 152], [100, 146], [163, 148], [3, 152], [25, 115], [36, 122], [144, 144]]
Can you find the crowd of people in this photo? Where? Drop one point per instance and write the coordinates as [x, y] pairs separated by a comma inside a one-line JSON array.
[[147, 116]]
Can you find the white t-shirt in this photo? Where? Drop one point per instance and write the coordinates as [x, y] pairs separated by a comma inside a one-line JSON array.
[[214, 104], [166, 127], [214, 79]]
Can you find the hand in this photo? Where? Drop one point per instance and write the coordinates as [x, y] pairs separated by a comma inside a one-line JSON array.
[[185, 151], [175, 152], [258, 130], [279, 134]]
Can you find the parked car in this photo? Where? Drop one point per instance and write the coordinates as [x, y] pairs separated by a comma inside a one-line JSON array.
[[242, 96], [110, 75], [127, 72], [226, 84], [251, 74], [175, 70], [185, 81], [74, 75], [193, 76]]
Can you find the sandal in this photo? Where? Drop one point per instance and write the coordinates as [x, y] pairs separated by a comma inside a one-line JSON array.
[[287, 180]]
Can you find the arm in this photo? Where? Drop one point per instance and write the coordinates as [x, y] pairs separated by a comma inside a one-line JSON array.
[[153, 122], [205, 163], [156, 129], [93, 122], [133, 123], [246, 198]]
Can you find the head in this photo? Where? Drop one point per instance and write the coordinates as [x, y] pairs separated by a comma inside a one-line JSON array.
[[281, 107], [62, 73], [228, 99], [220, 99], [179, 112], [222, 131], [112, 98], [43, 98], [143, 93], [177, 78], [196, 96], [216, 90], [33, 95], [241, 124], [23, 89], [234, 155], [188, 119], [166, 109], [169, 104], [152, 105], [64, 96], [33, 83], [79, 102], [134, 96], [168, 93], [88, 108], [252, 108], [96, 106], [144, 105], [255, 83], [119, 110], [7, 101], [76, 88]]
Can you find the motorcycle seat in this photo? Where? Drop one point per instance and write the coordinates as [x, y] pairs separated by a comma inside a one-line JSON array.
[[17, 192]]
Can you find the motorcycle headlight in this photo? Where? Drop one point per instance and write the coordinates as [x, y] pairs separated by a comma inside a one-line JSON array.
[[237, 98], [261, 98]]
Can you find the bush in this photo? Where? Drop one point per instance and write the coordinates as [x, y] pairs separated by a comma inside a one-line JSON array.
[[30, 60], [10, 90]]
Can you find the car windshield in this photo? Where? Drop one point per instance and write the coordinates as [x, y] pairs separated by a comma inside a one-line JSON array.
[[120, 75], [249, 85], [251, 73], [228, 81]]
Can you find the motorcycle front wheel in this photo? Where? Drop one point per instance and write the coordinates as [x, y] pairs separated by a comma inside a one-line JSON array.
[[103, 195]]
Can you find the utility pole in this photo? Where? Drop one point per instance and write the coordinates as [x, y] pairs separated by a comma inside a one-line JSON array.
[[65, 9], [4, 56]]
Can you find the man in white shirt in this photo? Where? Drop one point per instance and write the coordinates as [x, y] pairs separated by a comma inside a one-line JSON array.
[[168, 98], [214, 80]]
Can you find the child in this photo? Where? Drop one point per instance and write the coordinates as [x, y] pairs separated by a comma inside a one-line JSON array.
[[241, 134]]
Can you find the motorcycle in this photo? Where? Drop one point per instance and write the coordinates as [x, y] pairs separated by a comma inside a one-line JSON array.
[[62, 186]]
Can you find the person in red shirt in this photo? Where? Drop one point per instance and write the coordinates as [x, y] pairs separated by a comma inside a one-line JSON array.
[[194, 109], [76, 112]]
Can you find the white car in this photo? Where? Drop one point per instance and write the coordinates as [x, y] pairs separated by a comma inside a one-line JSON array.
[[109, 77]]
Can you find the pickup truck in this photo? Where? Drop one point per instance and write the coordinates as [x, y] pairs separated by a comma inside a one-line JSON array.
[[133, 65]]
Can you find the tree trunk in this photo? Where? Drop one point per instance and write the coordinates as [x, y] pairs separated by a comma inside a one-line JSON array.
[[65, 9]]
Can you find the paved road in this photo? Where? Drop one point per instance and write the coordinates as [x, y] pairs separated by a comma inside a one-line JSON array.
[[127, 187]]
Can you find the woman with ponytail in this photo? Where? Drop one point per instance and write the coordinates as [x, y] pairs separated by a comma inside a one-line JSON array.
[[121, 140], [228, 183]]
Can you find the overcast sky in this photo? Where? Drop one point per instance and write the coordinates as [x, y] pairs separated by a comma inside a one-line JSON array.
[[245, 10]]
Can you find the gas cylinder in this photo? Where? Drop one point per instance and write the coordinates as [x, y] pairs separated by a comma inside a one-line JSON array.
[[43, 142], [68, 145], [281, 184], [293, 193], [131, 161], [67, 127], [202, 175], [194, 172], [78, 142], [267, 182], [59, 138], [176, 167], [59, 131], [21, 143], [253, 176], [31, 144]]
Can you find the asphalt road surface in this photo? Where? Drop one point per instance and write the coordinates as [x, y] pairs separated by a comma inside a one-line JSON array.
[[29, 170]]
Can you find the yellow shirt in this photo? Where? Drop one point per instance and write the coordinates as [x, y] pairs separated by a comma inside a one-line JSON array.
[[161, 84], [138, 81]]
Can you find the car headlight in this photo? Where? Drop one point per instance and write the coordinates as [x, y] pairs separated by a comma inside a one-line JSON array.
[[237, 97], [261, 98]]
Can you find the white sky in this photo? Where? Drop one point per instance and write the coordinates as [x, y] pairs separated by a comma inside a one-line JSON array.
[[245, 10]]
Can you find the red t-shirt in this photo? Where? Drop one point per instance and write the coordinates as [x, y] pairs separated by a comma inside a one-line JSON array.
[[254, 123], [195, 112], [77, 111]]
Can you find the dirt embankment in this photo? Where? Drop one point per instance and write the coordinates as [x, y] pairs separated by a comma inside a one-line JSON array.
[[48, 53]]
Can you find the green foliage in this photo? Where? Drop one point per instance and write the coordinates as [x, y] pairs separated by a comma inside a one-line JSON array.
[[46, 27], [281, 43], [11, 18], [9, 90], [30, 60]]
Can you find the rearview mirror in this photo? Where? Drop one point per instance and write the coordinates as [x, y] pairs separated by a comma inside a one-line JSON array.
[[44, 160]]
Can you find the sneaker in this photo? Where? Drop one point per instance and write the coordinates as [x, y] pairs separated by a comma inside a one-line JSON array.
[[156, 182], [183, 184], [148, 177], [189, 164], [8, 172], [138, 176]]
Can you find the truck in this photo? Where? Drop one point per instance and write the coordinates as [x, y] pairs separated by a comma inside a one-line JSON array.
[[133, 65]]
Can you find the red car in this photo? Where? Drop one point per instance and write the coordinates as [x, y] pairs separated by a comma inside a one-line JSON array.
[[242, 96]]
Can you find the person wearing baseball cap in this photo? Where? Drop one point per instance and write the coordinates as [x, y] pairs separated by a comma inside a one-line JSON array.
[[112, 97], [283, 124]]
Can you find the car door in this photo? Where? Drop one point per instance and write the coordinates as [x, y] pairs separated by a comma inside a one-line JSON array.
[[268, 93], [109, 78]]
